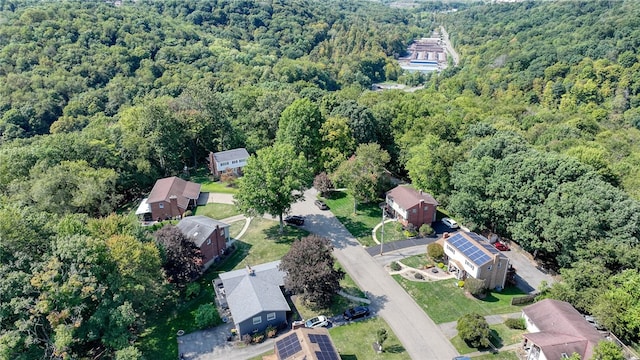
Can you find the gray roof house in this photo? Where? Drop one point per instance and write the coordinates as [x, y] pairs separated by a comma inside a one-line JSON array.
[[233, 160], [210, 235], [255, 297]]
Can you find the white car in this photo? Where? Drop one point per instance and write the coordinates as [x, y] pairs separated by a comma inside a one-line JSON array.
[[450, 223], [318, 321]]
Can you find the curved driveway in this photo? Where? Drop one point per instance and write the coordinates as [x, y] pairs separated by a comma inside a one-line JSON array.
[[420, 336]]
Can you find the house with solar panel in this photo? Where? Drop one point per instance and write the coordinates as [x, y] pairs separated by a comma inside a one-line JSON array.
[[255, 296], [230, 160], [307, 344], [471, 255]]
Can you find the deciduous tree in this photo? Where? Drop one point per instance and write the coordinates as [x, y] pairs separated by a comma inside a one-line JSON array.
[[474, 330], [309, 268], [182, 258]]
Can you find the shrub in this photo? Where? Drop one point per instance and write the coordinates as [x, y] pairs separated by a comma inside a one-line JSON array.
[[410, 231], [435, 251], [229, 177], [257, 338], [418, 276], [271, 331], [381, 336], [425, 230], [475, 286], [441, 265], [461, 283], [206, 315], [515, 323], [188, 213], [247, 339], [193, 290], [474, 330], [395, 266]]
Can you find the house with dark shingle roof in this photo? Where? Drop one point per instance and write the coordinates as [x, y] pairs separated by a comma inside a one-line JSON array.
[[556, 331], [211, 236], [470, 254], [410, 206], [230, 160], [255, 297], [171, 197]]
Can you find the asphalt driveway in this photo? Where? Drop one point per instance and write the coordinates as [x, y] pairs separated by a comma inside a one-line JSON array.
[[419, 335]]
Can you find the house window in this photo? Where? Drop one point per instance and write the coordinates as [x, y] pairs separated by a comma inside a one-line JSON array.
[[209, 241], [161, 205], [224, 163], [221, 232], [425, 208], [451, 249], [234, 162], [414, 211], [564, 355], [489, 267], [271, 316], [466, 262], [257, 320]]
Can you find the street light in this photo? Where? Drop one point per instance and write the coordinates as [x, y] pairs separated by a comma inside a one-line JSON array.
[[382, 207]]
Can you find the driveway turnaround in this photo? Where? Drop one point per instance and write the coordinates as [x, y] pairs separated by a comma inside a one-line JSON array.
[[420, 336]]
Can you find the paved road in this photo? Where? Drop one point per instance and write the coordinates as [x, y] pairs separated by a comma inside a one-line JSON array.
[[420, 336]]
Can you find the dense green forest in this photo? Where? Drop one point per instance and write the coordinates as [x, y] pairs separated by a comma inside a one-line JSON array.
[[535, 136]]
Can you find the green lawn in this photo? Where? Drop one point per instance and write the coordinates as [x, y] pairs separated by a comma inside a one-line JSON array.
[[502, 355], [360, 224], [418, 261], [354, 341], [235, 228], [444, 302], [217, 211], [501, 336], [392, 232], [261, 243], [203, 177]]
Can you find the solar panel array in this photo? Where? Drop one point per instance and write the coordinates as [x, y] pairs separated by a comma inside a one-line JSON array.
[[327, 351], [288, 346], [471, 250]]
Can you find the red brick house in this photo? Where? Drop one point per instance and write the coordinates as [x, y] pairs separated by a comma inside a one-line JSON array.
[[171, 197], [211, 236], [411, 206]]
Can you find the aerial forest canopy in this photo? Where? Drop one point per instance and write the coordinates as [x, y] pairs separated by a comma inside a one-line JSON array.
[[534, 135]]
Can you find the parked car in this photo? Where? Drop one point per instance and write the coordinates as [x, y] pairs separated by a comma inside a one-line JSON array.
[[500, 246], [355, 313], [450, 223], [318, 321], [321, 205], [294, 220]]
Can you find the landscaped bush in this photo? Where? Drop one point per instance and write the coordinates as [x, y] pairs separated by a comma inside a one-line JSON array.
[[418, 276], [188, 213], [271, 331], [460, 283], [410, 231], [435, 251], [474, 286], [425, 230], [193, 290], [257, 338], [206, 316], [515, 323], [441, 265], [247, 339], [395, 266]]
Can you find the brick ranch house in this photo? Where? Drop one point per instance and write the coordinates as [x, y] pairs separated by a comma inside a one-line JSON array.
[[230, 160], [211, 236], [169, 199], [411, 206]]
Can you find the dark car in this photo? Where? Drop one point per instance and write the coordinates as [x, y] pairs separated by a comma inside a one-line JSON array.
[[356, 312], [321, 205], [294, 220]]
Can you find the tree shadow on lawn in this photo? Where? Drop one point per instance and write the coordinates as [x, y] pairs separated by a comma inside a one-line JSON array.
[[348, 357], [394, 349], [356, 228], [334, 195], [287, 236], [495, 339]]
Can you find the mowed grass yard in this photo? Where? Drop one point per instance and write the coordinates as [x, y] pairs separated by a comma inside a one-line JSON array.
[[261, 243], [444, 301], [362, 223], [501, 336], [217, 211], [203, 177]]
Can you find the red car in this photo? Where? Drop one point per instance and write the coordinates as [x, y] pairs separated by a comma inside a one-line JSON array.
[[500, 246]]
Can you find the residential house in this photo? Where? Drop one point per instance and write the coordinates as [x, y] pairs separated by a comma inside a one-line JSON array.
[[169, 199], [233, 160], [411, 206], [211, 236], [470, 254], [255, 297], [556, 331], [305, 344]]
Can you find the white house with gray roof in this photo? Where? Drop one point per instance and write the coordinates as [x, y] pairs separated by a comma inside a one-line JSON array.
[[234, 160], [255, 297]]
